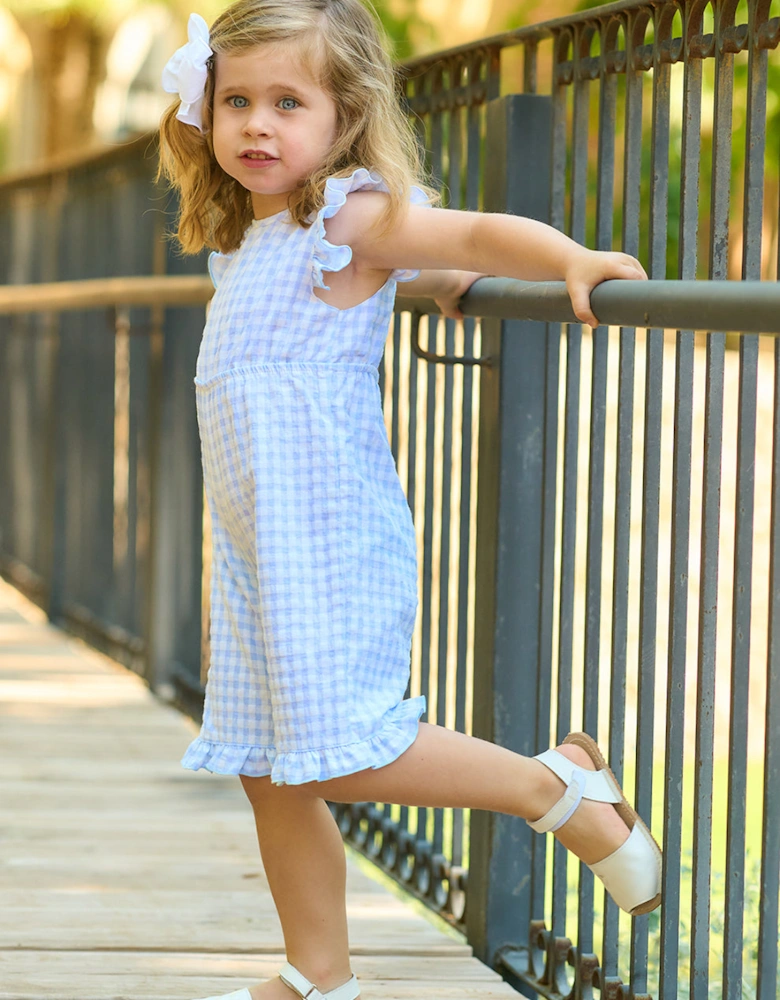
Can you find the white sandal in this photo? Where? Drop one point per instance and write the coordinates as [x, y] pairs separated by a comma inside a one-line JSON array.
[[301, 985], [298, 982], [632, 874]]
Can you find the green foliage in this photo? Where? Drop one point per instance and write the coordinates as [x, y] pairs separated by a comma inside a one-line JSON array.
[[95, 9], [520, 16], [588, 5], [405, 29]]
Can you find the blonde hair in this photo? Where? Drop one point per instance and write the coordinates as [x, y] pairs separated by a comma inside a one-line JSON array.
[[372, 129]]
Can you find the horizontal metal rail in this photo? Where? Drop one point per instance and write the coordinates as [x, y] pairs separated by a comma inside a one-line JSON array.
[[739, 306], [92, 293], [701, 44]]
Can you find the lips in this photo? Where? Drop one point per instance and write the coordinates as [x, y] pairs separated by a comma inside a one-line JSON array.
[[257, 162]]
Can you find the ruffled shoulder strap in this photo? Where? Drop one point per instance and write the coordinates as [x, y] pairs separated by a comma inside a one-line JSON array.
[[327, 256], [217, 265]]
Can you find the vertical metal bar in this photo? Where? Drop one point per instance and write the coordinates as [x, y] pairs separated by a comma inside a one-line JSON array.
[[648, 602], [705, 705], [594, 539], [459, 174], [703, 781], [421, 85], [766, 988], [569, 493], [689, 217], [678, 635], [566, 612], [427, 578], [493, 78], [579, 139], [430, 429], [445, 458], [721, 158], [605, 180], [681, 498], [740, 668], [632, 161], [547, 588], [546, 623], [530, 53], [620, 573], [738, 714], [651, 491], [555, 153], [154, 667], [442, 675], [558, 165], [54, 486], [395, 416], [411, 484], [600, 336], [755, 142]]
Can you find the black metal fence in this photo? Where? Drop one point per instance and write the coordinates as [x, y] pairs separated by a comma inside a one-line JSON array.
[[101, 495], [596, 514]]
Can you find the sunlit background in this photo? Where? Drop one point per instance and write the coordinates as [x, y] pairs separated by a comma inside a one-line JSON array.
[[81, 74]]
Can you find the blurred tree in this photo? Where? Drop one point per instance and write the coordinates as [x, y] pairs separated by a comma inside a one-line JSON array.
[[70, 39], [506, 15]]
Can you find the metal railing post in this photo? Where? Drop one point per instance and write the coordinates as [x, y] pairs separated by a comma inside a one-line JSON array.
[[55, 471], [516, 499]]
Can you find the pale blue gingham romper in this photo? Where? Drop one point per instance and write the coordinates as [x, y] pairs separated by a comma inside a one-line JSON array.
[[314, 571]]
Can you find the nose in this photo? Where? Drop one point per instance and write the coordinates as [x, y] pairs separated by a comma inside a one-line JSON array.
[[257, 122]]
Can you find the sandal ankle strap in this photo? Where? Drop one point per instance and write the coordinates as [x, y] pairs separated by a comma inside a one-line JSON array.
[[308, 991], [580, 784], [563, 808]]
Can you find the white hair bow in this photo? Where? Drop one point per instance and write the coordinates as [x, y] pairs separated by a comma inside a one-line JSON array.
[[185, 72]]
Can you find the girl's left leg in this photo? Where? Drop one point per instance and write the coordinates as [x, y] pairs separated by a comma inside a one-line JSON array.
[[446, 768]]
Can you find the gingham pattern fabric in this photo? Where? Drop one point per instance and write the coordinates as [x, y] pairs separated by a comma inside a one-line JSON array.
[[314, 572]]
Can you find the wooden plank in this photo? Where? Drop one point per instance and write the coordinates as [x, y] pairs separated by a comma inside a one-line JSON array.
[[124, 875], [44, 987], [107, 870], [428, 967], [202, 917]]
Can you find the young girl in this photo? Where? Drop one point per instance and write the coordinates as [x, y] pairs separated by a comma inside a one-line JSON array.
[[295, 162]]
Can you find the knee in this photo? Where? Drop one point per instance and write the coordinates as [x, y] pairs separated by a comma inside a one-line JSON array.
[[262, 791]]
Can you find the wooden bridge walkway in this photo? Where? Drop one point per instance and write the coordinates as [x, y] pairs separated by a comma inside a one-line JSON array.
[[125, 877]]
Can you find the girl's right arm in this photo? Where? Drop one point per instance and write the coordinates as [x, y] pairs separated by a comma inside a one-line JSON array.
[[508, 246]]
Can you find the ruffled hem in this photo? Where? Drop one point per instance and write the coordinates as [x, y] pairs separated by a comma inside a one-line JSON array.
[[396, 735], [329, 257]]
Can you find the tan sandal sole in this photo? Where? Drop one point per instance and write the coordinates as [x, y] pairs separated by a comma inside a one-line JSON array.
[[626, 812]]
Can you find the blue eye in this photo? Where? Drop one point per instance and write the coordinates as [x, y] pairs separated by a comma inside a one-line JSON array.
[[237, 98], [291, 100]]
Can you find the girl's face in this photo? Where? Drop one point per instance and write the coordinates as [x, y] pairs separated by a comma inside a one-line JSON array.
[[272, 123]]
